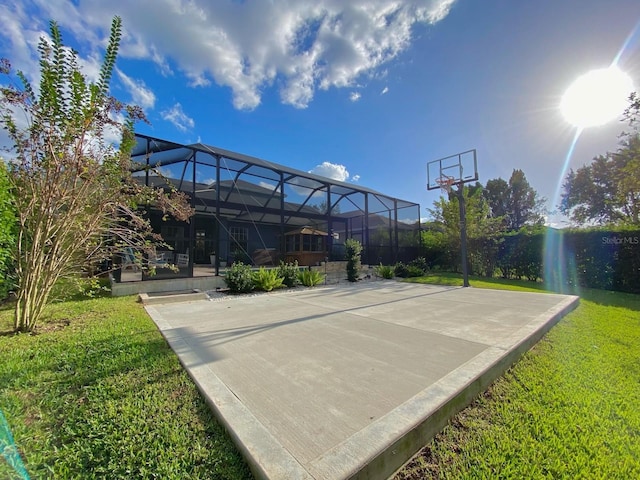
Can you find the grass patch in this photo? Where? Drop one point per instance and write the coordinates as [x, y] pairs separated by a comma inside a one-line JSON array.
[[98, 393], [455, 279], [567, 409]]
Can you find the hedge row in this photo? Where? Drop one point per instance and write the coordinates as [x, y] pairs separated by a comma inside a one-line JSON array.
[[605, 259]]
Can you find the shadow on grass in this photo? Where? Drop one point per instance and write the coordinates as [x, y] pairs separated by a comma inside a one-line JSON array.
[[6, 318], [602, 297], [71, 363], [102, 388], [610, 298], [65, 291]]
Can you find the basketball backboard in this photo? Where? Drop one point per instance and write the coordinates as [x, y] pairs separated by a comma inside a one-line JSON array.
[[452, 170]]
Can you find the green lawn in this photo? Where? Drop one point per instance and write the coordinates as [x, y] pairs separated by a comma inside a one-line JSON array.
[[568, 408], [99, 394]]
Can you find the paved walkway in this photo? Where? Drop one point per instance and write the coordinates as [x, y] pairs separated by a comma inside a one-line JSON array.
[[349, 381]]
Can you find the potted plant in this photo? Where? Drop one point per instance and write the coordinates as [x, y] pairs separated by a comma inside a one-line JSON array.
[[212, 258]]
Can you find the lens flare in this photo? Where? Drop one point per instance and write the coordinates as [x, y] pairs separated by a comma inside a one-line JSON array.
[[558, 274], [559, 270]]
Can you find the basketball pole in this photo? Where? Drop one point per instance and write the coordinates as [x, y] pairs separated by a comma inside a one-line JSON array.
[[441, 174], [463, 234]]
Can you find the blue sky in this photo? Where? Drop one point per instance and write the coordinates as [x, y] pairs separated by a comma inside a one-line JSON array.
[[363, 91]]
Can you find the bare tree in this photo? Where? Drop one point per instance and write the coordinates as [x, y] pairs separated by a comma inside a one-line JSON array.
[[76, 200]]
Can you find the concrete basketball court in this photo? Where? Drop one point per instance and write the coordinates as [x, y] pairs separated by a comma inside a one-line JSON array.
[[349, 381]]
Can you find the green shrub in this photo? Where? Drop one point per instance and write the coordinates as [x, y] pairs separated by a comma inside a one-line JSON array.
[[384, 271], [8, 233], [310, 278], [353, 251], [239, 278], [266, 279], [415, 268], [413, 271], [421, 264], [401, 270], [289, 273], [7, 282]]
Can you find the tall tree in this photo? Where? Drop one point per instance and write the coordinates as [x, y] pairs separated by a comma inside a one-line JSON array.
[[76, 200], [479, 222], [523, 206], [607, 191], [516, 202], [497, 194], [632, 114], [630, 157]]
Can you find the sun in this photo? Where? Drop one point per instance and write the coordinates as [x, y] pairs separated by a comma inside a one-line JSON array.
[[597, 97]]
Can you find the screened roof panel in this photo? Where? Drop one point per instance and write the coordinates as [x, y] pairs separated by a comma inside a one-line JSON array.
[[165, 153], [276, 167]]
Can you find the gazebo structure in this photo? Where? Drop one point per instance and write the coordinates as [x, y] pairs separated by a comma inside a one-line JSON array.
[[258, 212]]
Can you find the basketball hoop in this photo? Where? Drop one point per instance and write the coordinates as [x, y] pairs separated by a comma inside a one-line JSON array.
[[445, 182], [446, 172]]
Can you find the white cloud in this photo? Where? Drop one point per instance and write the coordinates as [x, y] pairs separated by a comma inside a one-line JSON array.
[[140, 94], [268, 186], [331, 170], [384, 90], [297, 46], [304, 186], [355, 178], [179, 119], [20, 37], [354, 96]]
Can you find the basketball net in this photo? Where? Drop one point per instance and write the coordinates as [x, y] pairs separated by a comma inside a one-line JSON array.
[[445, 182]]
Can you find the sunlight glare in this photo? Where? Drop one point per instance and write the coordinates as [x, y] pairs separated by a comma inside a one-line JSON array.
[[597, 97]]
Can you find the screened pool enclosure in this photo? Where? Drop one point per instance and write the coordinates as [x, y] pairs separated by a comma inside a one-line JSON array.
[[258, 212]]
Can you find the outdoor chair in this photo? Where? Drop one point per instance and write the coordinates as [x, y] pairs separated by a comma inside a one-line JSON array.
[[159, 259], [182, 259], [129, 260]]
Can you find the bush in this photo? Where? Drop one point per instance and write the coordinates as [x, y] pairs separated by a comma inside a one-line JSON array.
[[353, 251], [7, 282], [8, 229], [406, 271], [239, 278], [435, 248], [421, 264], [310, 278], [413, 271], [384, 271], [289, 273], [401, 270], [266, 279]]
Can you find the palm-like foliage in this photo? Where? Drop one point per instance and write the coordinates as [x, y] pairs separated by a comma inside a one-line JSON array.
[[77, 203], [310, 278], [267, 279]]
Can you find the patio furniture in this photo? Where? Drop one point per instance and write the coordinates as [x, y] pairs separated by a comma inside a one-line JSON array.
[[182, 259], [129, 260], [159, 259]]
